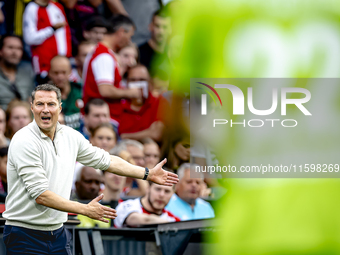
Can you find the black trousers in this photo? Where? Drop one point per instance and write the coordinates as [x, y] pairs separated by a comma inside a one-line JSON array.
[[20, 240]]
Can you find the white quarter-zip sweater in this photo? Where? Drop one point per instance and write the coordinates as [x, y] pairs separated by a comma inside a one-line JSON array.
[[36, 164]]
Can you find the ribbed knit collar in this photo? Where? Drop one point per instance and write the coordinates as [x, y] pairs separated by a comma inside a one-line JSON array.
[[38, 130]]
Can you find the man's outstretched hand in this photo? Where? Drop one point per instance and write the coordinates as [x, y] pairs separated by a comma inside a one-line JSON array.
[[99, 212], [162, 177]]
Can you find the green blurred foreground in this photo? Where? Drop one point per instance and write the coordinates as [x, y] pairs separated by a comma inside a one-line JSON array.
[[265, 39]]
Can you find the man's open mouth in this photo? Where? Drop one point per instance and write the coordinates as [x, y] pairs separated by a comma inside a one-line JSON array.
[[45, 118]]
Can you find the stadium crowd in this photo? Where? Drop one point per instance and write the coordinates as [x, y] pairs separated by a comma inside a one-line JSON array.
[[111, 61]]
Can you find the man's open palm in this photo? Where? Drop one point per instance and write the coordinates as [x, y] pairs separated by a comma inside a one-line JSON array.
[[162, 177]]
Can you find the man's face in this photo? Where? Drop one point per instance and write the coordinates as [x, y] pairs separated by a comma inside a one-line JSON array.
[[124, 34], [3, 168], [152, 155], [46, 109], [89, 184], [60, 71], [12, 51], [159, 196], [188, 188], [104, 138], [95, 35], [139, 73], [83, 50], [137, 155], [98, 114], [114, 182], [160, 29], [2, 121], [20, 117]]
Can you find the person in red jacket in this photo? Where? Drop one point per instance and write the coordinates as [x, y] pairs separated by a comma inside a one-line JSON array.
[[101, 75], [142, 118], [47, 31]]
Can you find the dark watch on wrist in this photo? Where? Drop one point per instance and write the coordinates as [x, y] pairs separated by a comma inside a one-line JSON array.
[[146, 173]]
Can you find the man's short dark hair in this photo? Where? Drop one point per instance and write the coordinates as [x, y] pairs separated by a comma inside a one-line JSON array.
[[47, 87], [93, 101], [117, 21], [160, 13], [2, 39], [96, 21], [75, 50], [3, 152]]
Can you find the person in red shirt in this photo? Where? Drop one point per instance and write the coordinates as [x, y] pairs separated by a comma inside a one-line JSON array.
[[47, 32], [101, 75], [145, 117]]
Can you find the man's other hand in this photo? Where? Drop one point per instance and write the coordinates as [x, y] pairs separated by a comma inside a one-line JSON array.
[[97, 211]]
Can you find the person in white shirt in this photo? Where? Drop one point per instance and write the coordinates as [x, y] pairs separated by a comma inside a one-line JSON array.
[[41, 161]]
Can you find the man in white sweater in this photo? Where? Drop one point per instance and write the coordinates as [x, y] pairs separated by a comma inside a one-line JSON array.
[[41, 163]]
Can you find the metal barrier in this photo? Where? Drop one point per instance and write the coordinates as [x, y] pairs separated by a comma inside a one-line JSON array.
[[163, 239]]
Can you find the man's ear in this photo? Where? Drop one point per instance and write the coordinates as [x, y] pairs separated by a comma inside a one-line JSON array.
[[60, 108]]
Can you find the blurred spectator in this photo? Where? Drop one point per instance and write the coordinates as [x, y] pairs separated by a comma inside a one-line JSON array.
[[13, 11], [160, 82], [16, 76], [127, 57], [61, 118], [152, 153], [47, 31], [70, 91], [133, 187], [136, 149], [83, 49], [87, 184], [74, 21], [176, 148], [154, 50], [3, 173], [101, 77], [143, 117], [114, 185], [18, 115], [186, 202], [96, 112], [104, 137], [4, 141], [141, 13], [149, 209], [95, 29], [87, 187]]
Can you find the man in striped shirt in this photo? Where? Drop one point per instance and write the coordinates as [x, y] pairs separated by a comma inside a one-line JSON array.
[[101, 75]]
